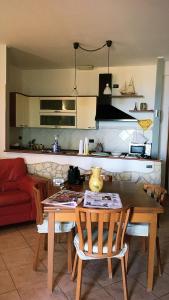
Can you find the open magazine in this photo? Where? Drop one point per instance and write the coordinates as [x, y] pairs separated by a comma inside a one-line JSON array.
[[64, 198], [102, 200]]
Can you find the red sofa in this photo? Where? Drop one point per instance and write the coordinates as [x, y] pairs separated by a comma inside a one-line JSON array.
[[16, 192]]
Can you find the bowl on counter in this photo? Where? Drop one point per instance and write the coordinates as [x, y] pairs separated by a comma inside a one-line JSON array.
[[116, 154]]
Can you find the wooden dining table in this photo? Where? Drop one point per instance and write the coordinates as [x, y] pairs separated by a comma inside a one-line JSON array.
[[144, 210]]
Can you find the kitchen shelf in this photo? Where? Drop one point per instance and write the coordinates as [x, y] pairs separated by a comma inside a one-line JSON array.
[[141, 111], [127, 96]]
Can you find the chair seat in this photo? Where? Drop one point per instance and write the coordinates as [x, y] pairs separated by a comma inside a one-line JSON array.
[[137, 229], [82, 255], [59, 226]]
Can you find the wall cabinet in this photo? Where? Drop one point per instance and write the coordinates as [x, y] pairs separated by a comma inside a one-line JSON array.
[[19, 110], [86, 112], [52, 112], [34, 114]]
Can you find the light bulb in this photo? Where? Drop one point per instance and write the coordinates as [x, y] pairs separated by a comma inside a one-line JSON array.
[[75, 91]]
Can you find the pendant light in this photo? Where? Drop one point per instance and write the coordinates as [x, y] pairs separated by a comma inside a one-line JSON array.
[[76, 45], [75, 91], [107, 90]]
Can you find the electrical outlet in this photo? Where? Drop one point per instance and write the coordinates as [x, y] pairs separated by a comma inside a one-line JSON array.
[[91, 140], [115, 86]]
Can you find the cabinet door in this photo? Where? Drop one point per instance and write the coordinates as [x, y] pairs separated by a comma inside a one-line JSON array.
[[86, 112], [22, 111], [34, 113]]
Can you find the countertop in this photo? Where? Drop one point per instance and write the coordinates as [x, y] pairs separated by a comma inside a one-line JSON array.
[[75, 153]]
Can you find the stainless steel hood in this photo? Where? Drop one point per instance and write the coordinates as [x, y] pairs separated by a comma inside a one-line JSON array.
[[105, 111]]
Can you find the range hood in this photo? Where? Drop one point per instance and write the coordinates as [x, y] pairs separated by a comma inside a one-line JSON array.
[[105, 111]]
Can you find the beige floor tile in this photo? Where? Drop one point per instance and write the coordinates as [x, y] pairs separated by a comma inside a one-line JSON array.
[[27, 228], [25, 276], [8, 229], [10, 296], [97, 270], [40, 291], [135, 290], [18, 257], [6, 283], [2, 264], [60, 260], [161, 284], [88, 294], [137, 263], [69, 287], [166, 297], [12, 240]]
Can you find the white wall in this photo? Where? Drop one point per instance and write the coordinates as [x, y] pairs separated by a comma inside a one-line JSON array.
[[164, 120], [2, 97], [60, 82], [14, 77]]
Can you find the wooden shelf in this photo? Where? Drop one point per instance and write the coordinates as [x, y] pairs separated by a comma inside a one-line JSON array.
[[141, 111], [127, 96]]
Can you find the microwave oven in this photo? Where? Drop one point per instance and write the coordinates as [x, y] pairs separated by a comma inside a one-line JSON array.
[[140, 149]]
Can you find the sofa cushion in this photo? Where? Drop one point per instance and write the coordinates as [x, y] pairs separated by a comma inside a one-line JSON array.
[[8, 186], [13, 198], [12, 169]]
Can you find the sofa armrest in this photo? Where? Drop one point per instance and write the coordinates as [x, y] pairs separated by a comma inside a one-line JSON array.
[[42, 184], [27, 183]]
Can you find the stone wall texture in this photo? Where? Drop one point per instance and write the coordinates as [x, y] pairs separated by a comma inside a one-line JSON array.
[[52, 170]]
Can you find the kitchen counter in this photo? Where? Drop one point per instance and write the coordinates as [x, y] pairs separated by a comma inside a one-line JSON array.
[[75, 153], [57, 164]]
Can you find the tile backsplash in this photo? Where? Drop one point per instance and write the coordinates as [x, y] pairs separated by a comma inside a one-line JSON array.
[[115, 138]]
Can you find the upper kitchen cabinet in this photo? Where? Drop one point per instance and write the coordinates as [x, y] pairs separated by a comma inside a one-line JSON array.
[[19, 110], [58, 112], [58, 104], [86, 112], [34, 113]]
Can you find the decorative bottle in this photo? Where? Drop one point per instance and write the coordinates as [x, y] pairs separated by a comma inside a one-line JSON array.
[[96, 180]]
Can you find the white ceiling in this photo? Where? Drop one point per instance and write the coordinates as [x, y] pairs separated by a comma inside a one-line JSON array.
[[40, 33]]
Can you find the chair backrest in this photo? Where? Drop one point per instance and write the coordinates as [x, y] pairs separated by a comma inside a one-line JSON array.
[[103, 228], [39, 209], [156, 191]]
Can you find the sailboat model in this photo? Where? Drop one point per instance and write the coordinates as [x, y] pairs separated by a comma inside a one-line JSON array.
[[129, 89]]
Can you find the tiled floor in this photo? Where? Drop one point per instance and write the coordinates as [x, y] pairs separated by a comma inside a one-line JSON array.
[[19, 281]]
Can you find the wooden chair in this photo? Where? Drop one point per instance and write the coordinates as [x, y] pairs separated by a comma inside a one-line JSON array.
[[94, 241], [159, 193], [42, 228]]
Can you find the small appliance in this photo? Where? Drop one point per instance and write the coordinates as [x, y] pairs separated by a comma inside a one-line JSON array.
[[143, 150]]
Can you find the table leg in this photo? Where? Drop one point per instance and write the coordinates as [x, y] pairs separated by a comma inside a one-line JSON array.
[[151, 252], [51, 229]]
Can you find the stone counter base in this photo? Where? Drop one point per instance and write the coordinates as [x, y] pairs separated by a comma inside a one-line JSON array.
[[51, 170]]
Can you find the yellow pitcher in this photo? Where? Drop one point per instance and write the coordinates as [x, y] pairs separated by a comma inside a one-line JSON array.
[[96, 180]]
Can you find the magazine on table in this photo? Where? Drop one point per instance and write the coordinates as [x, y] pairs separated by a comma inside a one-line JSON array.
[[102, 200], [64, 198]]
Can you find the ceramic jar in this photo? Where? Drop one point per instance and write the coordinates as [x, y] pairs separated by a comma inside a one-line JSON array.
[[96, 180]]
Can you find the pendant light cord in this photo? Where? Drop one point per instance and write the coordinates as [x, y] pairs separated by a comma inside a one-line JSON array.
[[92, 50], [75, 85], [77, 45], [108, 58]]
